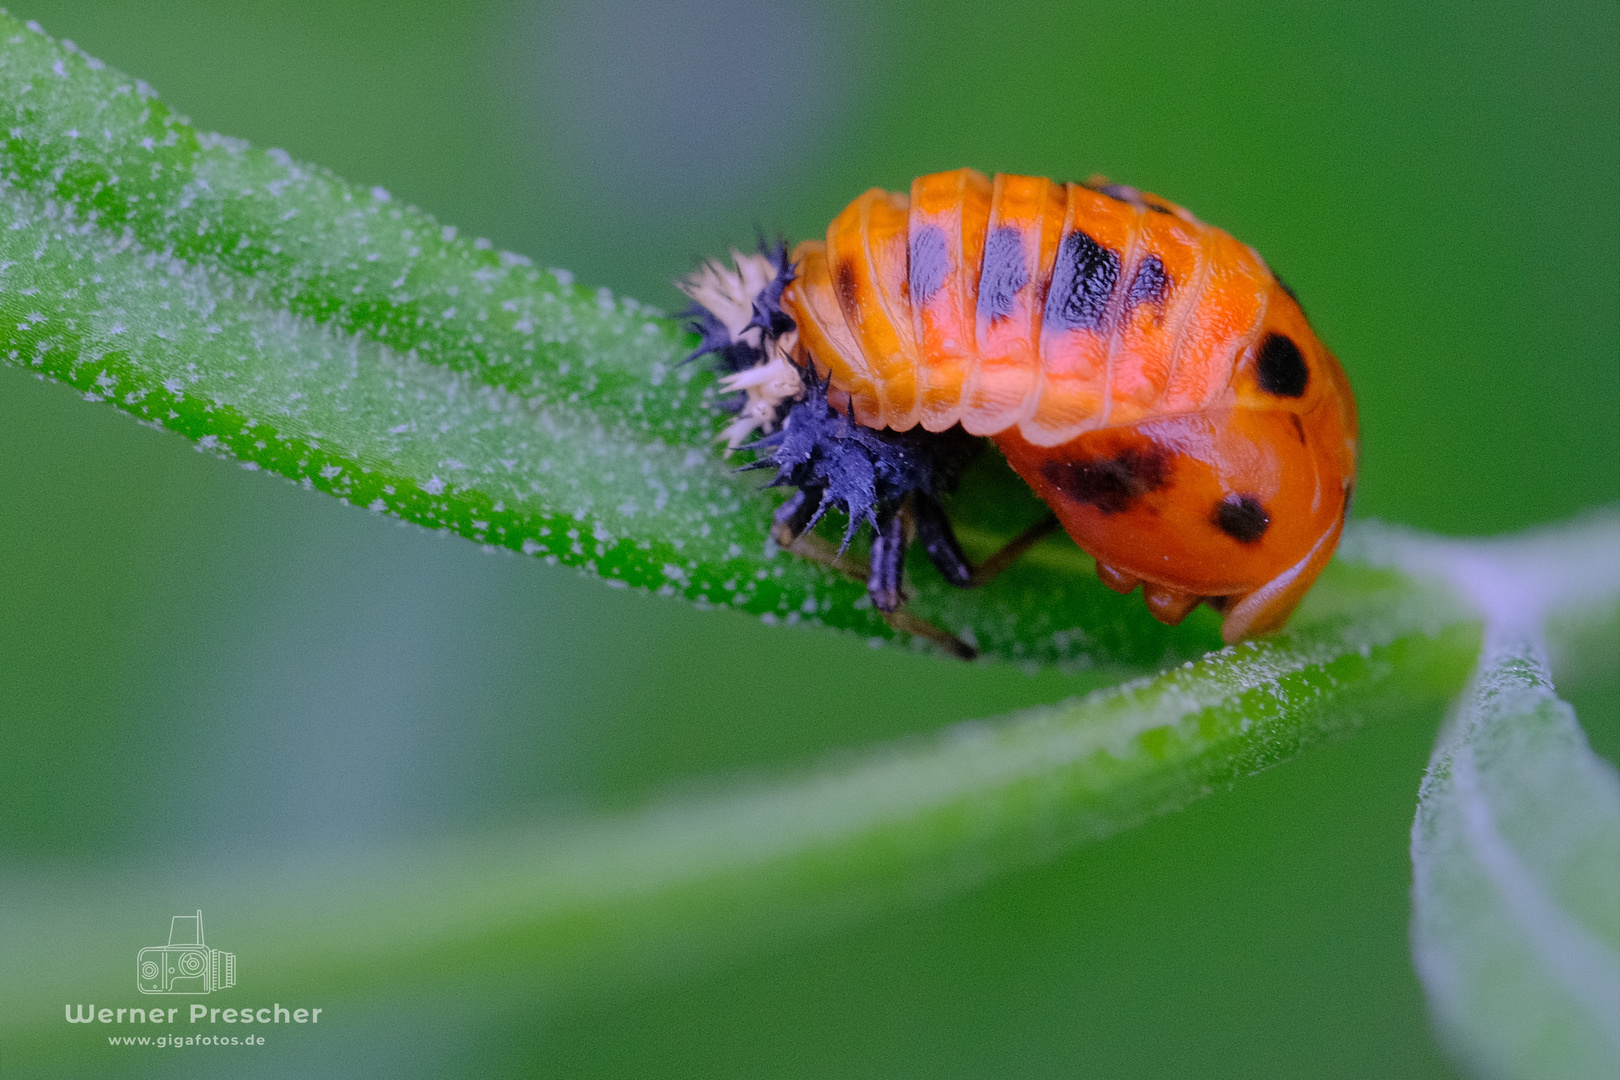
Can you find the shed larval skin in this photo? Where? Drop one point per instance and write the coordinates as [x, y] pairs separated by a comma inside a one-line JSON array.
[[1147, 375]]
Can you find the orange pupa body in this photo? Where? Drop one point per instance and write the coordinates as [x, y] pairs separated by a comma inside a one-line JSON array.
[[1148, 376]]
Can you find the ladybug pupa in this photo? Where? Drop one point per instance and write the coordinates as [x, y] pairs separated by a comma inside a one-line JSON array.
[[1148, 376]]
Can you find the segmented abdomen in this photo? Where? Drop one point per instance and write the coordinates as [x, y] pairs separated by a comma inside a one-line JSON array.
[[1020, 302]]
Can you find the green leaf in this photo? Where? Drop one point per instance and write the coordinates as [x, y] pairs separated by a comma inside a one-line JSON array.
[[277, 315], [1516, 900], [693, 882]]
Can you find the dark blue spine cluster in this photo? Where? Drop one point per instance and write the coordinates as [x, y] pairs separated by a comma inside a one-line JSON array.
[[865, 472]]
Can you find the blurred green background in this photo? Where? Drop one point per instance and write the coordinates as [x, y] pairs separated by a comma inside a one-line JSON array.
[[199, 663]]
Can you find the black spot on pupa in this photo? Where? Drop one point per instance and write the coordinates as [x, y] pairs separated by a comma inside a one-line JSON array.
[[1281, 367], [1242, 518], [1082, 281], [1160, 208], [1150, 284], [1299, 428], [849, 286], [930, 263], [1003, 272], [1111, 484]]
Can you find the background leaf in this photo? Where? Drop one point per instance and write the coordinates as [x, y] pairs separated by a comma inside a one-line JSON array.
[[688, 884], [1516, 902]]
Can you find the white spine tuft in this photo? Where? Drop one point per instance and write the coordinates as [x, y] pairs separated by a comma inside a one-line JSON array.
[[766, 385], [729, 294]]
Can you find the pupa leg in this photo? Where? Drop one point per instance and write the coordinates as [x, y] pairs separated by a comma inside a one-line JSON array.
[[939, 542], [795, 515], [788, 531], [892, 538], [889, 542], [1012, 551], [911, 624], [938, 539], [881, 573]]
